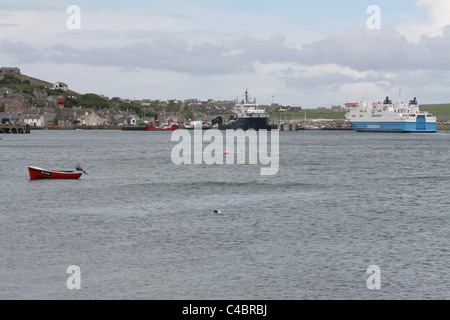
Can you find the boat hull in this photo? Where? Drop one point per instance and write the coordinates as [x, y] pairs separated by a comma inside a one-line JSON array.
[[316, 129], [406, 127], [39, 174], [247, 124], [152, 128]]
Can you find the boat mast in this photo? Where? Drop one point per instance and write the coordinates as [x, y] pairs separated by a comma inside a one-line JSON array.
[[399, 96]]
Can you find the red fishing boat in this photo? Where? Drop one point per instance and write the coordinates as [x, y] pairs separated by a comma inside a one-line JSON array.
[[38, 173], [162, 128]]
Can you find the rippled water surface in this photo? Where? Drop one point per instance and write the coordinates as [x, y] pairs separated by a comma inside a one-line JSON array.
[[140, 227]]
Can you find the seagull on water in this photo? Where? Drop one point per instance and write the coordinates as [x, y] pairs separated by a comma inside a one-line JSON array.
[[217, 211]]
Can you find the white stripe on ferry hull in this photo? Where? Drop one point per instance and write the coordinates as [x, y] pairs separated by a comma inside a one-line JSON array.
[[394, 127]]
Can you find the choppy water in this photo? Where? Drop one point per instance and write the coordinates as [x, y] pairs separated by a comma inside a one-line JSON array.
[[140, 227]]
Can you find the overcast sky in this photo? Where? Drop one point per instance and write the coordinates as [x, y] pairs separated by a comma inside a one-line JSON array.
[[298, 53]]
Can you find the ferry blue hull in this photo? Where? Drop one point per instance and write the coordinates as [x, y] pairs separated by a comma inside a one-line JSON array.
[[394, 127]]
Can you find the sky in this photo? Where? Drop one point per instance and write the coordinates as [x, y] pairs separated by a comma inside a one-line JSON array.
[[299, 53]]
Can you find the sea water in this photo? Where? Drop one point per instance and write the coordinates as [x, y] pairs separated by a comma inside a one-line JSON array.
[[140, 227]]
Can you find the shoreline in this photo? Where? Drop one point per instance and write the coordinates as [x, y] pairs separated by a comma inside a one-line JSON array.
[[444, 127]]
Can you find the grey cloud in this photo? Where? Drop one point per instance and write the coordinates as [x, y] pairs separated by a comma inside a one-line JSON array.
[[363, 50], [24, 53], [168, 53], [332, 80], [379, 50], [266, 51]]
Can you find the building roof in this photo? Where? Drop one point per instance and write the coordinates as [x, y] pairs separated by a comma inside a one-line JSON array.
[[30, 117], [50, 117], [64, 117], [10, 69]]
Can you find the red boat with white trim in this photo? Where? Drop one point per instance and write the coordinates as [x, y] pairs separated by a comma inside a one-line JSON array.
[[39, 173], [164, 127]]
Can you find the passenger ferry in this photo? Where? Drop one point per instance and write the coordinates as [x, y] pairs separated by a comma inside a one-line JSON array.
[[389, 117]]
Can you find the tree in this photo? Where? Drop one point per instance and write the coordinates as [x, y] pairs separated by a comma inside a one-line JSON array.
[[71, 102], [130, 107], [173, 106], [92, 100], [187, 114]]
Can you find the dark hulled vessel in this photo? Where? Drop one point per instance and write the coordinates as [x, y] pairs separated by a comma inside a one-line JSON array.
[[247, 116]]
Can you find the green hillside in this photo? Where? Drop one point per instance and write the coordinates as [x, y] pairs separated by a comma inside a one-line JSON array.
[[20, 82], [309, 114], [441, 111], [33, 81]]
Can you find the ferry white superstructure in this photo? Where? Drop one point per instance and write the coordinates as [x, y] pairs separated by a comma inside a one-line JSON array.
[[386, 116]]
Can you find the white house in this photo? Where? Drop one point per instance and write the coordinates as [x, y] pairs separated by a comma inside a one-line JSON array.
[[131, 120], [34, 121], [60, 86]]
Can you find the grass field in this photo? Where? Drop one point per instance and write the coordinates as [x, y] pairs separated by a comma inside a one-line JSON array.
[[22, 82], [443, 127], [441, 111], [34, 82], [310, 114]]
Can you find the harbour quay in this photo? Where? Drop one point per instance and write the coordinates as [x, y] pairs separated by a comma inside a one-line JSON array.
[[14, 129], [285, 127]]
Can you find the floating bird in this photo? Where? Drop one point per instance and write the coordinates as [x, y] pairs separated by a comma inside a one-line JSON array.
[[217, 211]]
